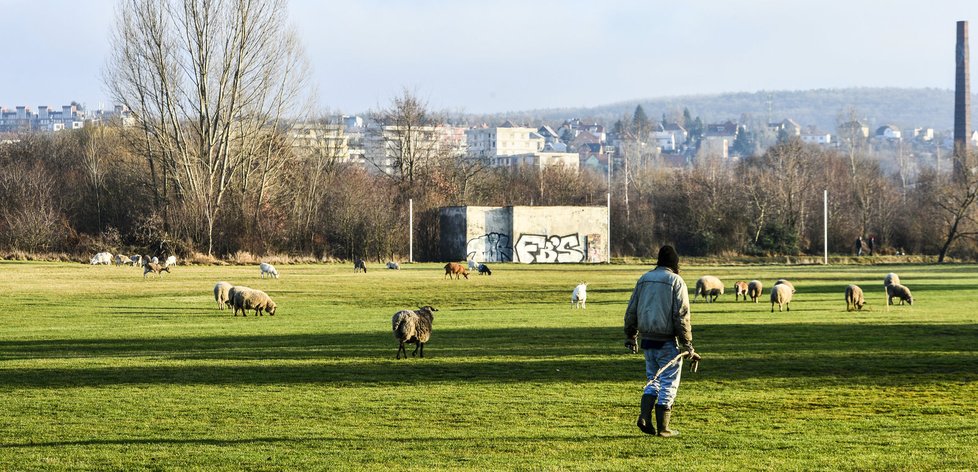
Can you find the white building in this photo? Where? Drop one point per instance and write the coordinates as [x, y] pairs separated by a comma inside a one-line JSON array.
[[386, 146], [816, 137], [504, 140]]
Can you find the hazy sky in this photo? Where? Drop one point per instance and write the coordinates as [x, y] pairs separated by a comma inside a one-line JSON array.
[[491, 56]]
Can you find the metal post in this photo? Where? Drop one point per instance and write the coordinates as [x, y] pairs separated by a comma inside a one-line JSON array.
[[609, 226], [825, 223], [411, 230]]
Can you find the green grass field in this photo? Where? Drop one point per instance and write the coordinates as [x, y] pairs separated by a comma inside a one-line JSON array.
[[100, 370]]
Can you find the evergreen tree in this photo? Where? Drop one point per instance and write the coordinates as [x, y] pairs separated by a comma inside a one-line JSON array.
[[641, 125]]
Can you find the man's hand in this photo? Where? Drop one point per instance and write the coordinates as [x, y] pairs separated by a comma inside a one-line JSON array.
[[691, 354], [631, 345]]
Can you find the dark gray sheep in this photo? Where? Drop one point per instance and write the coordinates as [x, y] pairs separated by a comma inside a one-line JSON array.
[[413, 326]]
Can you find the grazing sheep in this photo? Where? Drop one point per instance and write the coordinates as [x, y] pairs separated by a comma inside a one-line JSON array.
[[855, 298], [137, 260], [754, 288], [708, 285], [172, 260], [412, 326], [267, 269], [781, 295], [456, 269], [484, 270], [579, 296], [473, 265], [155, 260], [740, 288], [155, 268], [393, 266], [120, 259], [222, 294], [785, 282], [359, 265], [102, 258], [891, 279], [900, 291], [250, 299]]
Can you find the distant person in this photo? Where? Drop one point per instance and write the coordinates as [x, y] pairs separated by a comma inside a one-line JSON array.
[[859, 246], [872, 245], [657, 320]]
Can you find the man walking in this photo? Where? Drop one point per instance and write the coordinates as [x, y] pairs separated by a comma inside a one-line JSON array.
[[659, 312]]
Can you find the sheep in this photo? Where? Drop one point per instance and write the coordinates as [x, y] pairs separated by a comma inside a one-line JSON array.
[[359, 265], [740, 288], [579, 296], [393, 266], [781, 295], [250, 299], [456, 269], [267, 268], [900, 291], [155, 268], [137, 260], [855, 298], [221, 294], [484, 270], [891, 279], [172, 260], [785, 282], [102, 258], [473, 265], [412, 326], [155, 260], [754, 288], [708, 285], [120, 259]]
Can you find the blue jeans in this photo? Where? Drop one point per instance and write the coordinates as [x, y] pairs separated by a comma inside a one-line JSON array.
[[667, 385]]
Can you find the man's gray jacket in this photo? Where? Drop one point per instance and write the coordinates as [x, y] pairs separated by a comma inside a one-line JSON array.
[[659, 308]]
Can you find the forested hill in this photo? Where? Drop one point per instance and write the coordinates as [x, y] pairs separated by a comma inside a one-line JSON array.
[[903, 107]]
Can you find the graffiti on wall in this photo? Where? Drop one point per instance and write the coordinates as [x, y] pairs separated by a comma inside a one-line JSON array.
[[491, 247], [539, 248]]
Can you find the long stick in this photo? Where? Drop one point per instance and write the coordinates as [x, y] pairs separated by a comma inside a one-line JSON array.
[[695, 365]]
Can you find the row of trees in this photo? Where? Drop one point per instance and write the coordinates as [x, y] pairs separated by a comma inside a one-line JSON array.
[[87, 190]]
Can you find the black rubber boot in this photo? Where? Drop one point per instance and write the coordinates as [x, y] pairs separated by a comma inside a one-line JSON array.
[[662, 415], [645, 417]]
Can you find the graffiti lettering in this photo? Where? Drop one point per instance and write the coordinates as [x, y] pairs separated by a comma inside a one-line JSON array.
[[538, 248], [492, 247]]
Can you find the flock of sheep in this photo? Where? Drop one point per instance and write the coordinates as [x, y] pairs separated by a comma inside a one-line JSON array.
[[414, 326], [710, 288], [149, 264]]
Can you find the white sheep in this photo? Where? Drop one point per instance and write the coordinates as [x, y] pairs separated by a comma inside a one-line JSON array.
[[172, 260], [854, 298], [579, 296], [754, 288], [137, 260], [891, 279], [269, 269], [250, 299], [412, 326], [781, 295], [155, 260], [785, 282], [708, 285], [221, 294], [899, 291], [473, 265], [102, 258], [393, 266]]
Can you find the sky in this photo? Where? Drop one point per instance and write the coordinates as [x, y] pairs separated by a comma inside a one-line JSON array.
[[496, 56]]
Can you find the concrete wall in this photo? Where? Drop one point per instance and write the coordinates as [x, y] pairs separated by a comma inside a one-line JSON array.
[[562, 234]]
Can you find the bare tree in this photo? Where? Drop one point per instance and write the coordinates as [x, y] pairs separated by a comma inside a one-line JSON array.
[[208, 82], [407, 141]]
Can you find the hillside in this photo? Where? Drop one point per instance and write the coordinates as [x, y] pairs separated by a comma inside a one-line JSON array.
[[903, 107]]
